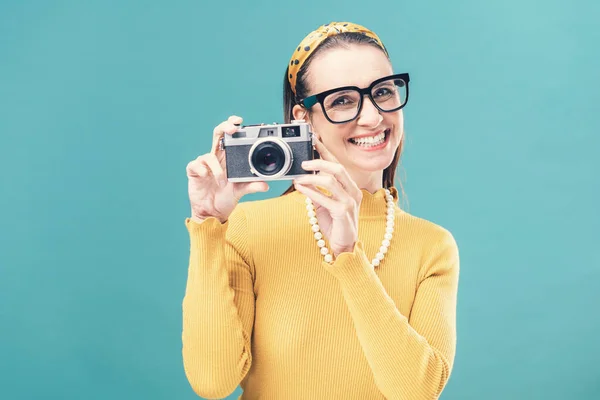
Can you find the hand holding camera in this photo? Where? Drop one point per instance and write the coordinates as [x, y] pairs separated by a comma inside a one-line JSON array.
[[337, 212], [211, 193]]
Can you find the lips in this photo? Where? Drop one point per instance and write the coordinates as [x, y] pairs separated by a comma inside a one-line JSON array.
[[372, 140]]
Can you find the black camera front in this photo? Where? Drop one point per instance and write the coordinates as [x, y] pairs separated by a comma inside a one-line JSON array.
[[268, 158]]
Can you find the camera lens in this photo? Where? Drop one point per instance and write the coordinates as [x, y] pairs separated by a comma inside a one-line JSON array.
[[268, 158]]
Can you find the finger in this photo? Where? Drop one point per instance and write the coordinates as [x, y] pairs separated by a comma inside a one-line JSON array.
[[226, 127], [215, 168], [197, 168], [318, 197], [234, 119], [327, 181], [217, 135], [325, 154], [242, 189], [219, 131], [333, 168]]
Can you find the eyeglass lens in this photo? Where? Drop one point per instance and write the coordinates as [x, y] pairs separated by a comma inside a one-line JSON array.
[[389, 95]]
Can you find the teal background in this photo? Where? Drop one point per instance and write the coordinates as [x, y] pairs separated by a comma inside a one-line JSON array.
[[103, 103]]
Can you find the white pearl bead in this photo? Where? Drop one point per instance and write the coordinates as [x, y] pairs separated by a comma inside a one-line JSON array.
[[387, 191], [389, 229]]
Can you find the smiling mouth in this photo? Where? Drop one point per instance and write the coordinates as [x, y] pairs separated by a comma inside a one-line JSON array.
[[371, 141]]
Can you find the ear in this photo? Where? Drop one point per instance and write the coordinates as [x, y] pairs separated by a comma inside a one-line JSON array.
[[299, 112]]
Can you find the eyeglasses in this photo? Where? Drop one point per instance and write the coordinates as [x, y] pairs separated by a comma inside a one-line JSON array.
[[344, 104]]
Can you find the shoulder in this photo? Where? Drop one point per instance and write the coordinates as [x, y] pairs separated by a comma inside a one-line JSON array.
[[427, 233]]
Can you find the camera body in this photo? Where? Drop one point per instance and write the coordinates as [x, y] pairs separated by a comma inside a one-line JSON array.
[[267, 152]]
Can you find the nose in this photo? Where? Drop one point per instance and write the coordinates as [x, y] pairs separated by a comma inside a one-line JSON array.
[[369, 114]]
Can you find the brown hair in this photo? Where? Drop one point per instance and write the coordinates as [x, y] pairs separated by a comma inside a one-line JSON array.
[[290, 99]]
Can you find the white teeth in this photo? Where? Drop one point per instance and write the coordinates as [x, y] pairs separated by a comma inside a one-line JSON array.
[[369, 141]]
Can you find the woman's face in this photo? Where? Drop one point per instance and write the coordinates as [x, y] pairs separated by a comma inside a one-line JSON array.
[[358, 65]]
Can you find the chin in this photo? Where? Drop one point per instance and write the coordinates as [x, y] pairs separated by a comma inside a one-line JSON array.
[[373, 164]]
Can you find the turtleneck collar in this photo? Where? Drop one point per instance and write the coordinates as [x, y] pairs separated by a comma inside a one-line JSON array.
[[372, 204]]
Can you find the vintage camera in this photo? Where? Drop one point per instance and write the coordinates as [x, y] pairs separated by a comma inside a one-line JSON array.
[[267, 152]]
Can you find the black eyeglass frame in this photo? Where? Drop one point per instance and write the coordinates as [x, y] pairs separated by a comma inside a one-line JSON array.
[[312, 100]]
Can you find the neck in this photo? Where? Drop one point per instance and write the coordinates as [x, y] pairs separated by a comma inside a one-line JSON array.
[[369, 181]]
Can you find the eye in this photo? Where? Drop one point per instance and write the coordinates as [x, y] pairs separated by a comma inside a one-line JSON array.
[[341, 101], [384, 91]]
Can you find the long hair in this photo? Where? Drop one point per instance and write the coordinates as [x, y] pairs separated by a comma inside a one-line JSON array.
[[290, 99]]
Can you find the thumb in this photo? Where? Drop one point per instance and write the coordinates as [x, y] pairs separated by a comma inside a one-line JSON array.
[[253, 187]]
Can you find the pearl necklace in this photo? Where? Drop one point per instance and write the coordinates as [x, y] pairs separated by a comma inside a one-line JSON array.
[[389, 229]]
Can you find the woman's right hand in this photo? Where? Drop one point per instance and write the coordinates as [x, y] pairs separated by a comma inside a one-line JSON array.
[[211, 195]]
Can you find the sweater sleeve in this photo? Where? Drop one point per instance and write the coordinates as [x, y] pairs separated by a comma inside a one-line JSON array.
[[411, 357], [218, 306]]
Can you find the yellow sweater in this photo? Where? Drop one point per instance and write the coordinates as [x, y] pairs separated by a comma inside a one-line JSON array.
[[264, 311]]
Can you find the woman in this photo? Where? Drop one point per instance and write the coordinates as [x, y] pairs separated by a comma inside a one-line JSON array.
[[321, 294]]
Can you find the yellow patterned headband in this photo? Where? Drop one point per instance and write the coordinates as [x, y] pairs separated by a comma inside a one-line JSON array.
[[314, 39]]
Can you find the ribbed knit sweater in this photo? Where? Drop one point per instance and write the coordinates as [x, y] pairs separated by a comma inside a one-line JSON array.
[[263, 310]]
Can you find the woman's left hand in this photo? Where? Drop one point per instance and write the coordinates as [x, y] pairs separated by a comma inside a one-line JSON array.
[[337, 214]]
